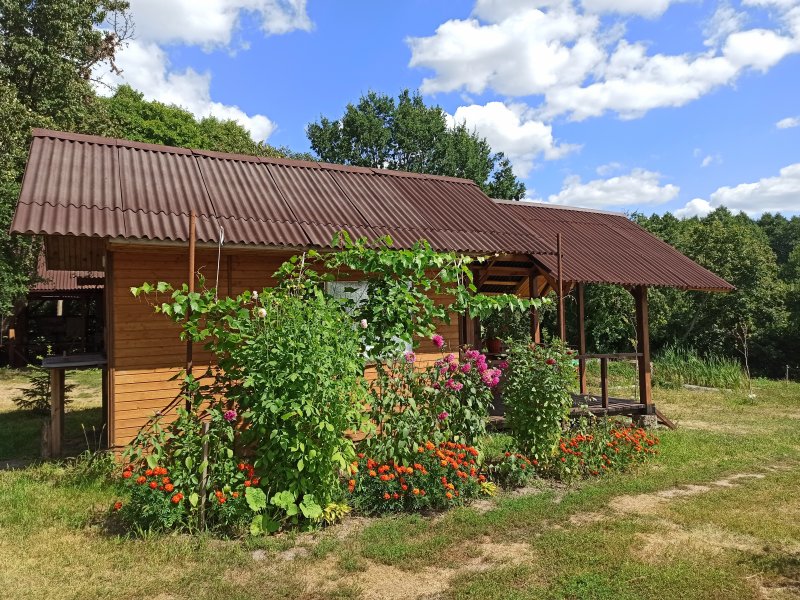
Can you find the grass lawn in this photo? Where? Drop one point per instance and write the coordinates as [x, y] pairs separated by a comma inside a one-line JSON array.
[[715, 515]]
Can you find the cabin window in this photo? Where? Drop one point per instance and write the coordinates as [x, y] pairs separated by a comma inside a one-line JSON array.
[[358, 292]]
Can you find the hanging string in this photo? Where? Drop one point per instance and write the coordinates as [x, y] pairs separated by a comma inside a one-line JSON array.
[[219, 256]]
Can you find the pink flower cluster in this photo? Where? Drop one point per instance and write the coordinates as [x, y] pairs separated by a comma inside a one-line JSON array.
[[449, 366]]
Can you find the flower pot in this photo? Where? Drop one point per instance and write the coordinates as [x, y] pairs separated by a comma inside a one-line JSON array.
[[494, 345]]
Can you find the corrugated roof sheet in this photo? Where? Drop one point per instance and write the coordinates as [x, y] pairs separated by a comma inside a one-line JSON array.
[[61, 281], [602, 247], [93, 186], [86, 185]]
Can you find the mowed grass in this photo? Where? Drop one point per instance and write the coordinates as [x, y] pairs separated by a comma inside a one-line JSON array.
[[715, 515]]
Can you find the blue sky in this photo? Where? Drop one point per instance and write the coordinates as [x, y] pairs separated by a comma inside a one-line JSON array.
[[649, 105]]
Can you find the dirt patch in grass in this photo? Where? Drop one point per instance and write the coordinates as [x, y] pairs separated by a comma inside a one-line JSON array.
[[647, 503], [716, 427], [377, 581], [666, 546]]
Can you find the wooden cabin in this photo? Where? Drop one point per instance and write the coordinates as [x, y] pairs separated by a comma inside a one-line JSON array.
[[123, 208]]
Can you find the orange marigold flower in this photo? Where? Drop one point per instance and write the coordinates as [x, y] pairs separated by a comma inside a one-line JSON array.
[[235, 494], [395, 495], [169, 487], [165, 480], [255, 480], [126, 474], [247, 483], [404, 487], [177, 498], [360, 455], [149, 472], [117, 505], [141, 479], [386, 496], [153, 485], [372, 473], [449, 496], [416, 491]]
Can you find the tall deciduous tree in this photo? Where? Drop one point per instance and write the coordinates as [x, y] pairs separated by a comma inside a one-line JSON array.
[[48, 49], [406, 134]]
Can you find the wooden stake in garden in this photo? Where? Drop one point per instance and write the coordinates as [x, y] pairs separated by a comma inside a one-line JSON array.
[[562, 325], [192, 243]]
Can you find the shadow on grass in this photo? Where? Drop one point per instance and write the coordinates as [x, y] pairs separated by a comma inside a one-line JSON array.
[[20, 435]]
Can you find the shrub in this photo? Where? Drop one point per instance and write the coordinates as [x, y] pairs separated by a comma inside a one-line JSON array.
[[448, 400], [439, 477], [290, 368], [537, 395], [593, 448]]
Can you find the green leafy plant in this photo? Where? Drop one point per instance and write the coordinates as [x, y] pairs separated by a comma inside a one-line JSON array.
[[675, 366], [291, 362], [537, 395]]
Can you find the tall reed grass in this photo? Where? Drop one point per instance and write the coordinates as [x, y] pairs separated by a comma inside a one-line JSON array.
[[675, 366]]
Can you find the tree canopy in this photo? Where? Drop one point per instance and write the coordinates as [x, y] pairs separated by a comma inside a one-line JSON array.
[[405, 134]]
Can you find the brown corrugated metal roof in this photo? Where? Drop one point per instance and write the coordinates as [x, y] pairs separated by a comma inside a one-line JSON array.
[[92, 186], [602, 247], [61, 281]]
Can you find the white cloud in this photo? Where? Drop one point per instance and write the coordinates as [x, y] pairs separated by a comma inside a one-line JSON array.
[[609, 168], [146, 68], [788, 123], [526, 52], [725, 21], [770, 194], [509, 128], [643, 8], [212, 23], [209, 24], [708, 159], [638, 188], [694, 208], [582, 67]]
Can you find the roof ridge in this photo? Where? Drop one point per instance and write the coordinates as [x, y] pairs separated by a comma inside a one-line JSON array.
[[525, 203]]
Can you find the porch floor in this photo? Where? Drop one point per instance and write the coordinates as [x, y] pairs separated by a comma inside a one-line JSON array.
[[590, 404]]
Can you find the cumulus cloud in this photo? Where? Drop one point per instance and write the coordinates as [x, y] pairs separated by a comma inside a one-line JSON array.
[[788, 123], [582, 67], [213, 22], [209, 24], [145, 66], [609, 168], [643, 8], [638, 188], [510, 129], [770, 194]]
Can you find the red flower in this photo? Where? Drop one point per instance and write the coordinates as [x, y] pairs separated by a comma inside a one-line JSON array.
[[177, 498], [153, 485], [169, 487], [386, 496], [126, 474], [141, 479], [117, 505]]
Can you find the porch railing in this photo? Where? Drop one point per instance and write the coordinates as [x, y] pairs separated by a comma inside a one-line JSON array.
[[604, 358]]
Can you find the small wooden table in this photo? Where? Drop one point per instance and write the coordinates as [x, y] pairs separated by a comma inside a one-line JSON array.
[[58, 365]]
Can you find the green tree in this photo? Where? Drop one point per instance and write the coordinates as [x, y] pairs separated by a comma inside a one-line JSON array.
[[132, 117], [406, 134], [48, 49]]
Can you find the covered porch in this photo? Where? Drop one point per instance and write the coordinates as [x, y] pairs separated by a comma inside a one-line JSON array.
[[592, 247]]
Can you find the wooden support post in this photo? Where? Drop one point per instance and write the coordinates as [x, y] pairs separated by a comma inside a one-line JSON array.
[[57, 378], [562, 325], [643, 344], [533, 291], [189, 349], [604, 381], [581, 338], [229, 271]]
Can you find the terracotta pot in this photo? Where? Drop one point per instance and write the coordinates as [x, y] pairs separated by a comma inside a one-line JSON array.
[[494, 345]]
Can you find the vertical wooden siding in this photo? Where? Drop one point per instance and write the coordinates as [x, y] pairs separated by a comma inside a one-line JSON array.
[[146, 351]]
